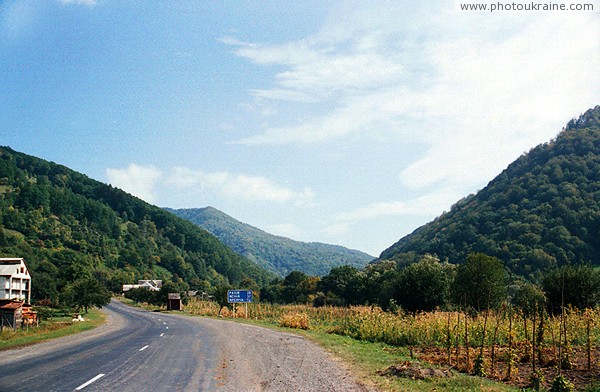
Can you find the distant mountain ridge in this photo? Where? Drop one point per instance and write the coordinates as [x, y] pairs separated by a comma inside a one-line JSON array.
[[542, 211], [275, 253], [68, 226]]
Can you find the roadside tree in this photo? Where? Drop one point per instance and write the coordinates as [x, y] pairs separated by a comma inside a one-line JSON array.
[[480, 282]]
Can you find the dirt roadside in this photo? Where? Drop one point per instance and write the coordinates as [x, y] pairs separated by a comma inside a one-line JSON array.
[[259, 359]]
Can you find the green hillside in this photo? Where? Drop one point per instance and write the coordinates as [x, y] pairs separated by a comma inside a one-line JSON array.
[[68, 226], [277, 254], [542, 211]]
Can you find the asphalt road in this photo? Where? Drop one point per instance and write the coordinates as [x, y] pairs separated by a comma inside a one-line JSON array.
[[147, 351]]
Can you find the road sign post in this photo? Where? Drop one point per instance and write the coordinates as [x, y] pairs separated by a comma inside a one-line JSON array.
[[239, 296]]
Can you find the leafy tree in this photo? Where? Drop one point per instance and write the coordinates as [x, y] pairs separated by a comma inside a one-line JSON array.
[[71, 266], [345, 282], [3, 240], [220, 294], [272, 292], [480, 282], [424, 285], [44, 287], [84, 293], [294, 289], [577, 286], [141, 295], [529, 298], [176, 286], [380, 282]]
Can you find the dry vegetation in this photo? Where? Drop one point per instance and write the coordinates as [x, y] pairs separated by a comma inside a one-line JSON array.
[[502, 345]]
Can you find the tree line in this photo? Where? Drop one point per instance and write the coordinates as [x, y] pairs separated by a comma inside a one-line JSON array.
[[481, 282]]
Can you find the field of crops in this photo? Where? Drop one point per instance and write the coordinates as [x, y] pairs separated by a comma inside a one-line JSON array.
[[500, 344]]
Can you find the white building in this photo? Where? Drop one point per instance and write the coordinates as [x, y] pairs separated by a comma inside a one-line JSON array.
[[15, 281], [149, 284]]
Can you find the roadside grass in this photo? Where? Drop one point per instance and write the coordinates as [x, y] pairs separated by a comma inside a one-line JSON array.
[[50, 329], [144, 305], [365, 359]]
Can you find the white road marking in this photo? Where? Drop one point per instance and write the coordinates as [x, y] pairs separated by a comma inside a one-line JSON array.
[[145, 347], [99, 376]]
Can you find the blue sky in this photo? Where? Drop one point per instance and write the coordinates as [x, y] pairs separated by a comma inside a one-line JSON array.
[[344, 122]]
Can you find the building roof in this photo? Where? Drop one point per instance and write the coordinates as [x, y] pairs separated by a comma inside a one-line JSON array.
[[7, 304]]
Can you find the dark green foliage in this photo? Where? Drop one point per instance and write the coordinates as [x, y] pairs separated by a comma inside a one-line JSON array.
[[479, 366], [541, 212], [529, 298], [141, 295], [160, 297], [45, 287], [84, 293], [561, 384], [346, 283], [69, 227], [277, 254], [577, 286], [273, 291], [480, 282], [297, 286], [425, 285]]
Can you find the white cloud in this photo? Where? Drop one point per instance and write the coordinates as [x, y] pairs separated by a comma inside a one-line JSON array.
[[323, 65], [348, 224], [140, 181], [482, 88], [151, 185], [501, 98], [238, 186], [429, 204]]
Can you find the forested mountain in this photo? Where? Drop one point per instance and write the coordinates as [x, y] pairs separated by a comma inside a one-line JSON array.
[[68, 226], [277, 254], [542, 211]]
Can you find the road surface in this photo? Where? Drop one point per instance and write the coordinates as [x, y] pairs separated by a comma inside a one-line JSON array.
[[139, 350]]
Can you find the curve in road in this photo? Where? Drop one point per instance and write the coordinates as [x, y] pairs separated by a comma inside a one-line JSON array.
[[139, 350]]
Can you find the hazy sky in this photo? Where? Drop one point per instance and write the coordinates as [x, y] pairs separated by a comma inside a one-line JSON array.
[[343, 122]]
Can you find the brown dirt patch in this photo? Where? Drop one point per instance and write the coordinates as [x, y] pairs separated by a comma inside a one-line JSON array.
[[522, 369], [414, 371]]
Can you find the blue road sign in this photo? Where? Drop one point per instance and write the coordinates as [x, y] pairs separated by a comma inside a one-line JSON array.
[[239, 296]]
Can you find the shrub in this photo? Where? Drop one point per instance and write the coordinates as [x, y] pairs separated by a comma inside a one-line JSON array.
[[479, 367], [295, 320], [561, 384]]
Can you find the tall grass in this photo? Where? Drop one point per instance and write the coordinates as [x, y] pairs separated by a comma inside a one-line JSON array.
[[430, 329]]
